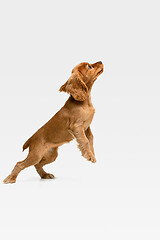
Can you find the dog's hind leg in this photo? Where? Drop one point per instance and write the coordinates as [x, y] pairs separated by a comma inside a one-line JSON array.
[[33, 158], [49, 156]]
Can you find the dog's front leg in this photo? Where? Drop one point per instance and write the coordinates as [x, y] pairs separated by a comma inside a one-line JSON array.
[[89, 135], [83, 143]]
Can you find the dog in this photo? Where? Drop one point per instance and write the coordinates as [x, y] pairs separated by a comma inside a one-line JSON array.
[[71, 121]]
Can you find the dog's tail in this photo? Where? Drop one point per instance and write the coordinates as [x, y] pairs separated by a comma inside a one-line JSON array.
[[26, 144]]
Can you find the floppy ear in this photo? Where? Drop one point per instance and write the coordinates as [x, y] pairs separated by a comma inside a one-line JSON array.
[[76, 87]]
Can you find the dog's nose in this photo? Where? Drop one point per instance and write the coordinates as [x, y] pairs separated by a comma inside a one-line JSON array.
[[100, 62]]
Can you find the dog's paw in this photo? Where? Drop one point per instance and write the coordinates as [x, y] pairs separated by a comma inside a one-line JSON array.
[[92, 158], [47, 176], [9, 179]]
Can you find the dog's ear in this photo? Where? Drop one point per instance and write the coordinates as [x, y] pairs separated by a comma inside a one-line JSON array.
[[76, 87]]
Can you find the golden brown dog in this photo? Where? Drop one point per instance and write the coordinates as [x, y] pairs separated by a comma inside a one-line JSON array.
[[71, 121]]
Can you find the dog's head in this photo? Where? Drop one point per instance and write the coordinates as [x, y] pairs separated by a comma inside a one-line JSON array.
[[82, 79]]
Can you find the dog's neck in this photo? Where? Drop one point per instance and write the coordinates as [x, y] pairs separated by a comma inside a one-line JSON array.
[[87, 101]]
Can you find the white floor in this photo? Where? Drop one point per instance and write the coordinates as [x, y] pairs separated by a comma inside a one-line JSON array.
[[116, 198]]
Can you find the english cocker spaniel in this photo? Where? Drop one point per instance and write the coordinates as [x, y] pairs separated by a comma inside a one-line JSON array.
[[71, 121]]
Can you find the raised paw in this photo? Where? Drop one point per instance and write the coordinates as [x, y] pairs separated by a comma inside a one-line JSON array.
[[92, 159], [9, 179], [47, 176]]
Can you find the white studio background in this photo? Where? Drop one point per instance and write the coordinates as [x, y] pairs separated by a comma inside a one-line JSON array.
[[119, 196]]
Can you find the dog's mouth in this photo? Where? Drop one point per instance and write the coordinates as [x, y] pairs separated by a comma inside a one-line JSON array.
[[99, 72]]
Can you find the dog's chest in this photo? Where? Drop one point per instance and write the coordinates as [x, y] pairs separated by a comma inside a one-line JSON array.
[[89, 116]]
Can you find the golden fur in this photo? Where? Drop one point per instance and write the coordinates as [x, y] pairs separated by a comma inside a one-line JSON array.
[[71, 121]]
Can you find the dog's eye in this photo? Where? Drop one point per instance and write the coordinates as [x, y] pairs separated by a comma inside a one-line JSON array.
[[89, 66]]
